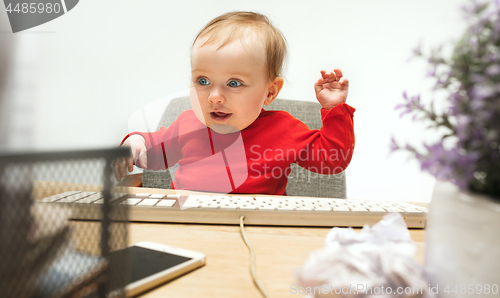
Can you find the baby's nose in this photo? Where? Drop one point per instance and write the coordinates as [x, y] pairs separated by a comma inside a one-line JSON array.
[[216, 97]]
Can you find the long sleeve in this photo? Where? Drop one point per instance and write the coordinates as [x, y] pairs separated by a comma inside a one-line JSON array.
[[162, 147], [330, 149]]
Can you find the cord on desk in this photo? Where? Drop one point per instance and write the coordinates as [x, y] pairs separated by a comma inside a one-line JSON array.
[[252, 266]]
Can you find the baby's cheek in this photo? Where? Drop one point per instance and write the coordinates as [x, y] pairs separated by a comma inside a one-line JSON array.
[[196, 106]]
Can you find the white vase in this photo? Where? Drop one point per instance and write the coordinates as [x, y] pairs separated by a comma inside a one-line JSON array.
[[462, 245]]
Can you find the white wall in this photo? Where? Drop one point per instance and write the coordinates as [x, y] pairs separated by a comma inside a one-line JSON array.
[[104, 60]]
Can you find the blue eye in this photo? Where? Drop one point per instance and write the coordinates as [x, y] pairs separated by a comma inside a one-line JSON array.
[[203, 81], [234, 83]]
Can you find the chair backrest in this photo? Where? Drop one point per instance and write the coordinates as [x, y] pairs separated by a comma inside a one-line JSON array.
[[301, 182]]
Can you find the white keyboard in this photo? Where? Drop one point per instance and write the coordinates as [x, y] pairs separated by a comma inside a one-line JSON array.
[[227, 209]]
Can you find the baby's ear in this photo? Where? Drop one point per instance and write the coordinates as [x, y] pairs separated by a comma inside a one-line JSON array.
[[273, 90]]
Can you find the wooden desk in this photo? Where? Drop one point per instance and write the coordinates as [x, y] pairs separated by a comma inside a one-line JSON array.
[[279, 251]]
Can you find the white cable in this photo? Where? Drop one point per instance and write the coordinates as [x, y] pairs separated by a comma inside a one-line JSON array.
[[252, 267]]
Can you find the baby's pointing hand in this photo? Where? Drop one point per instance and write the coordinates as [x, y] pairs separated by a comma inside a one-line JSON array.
[[138, 157], [331, 89]]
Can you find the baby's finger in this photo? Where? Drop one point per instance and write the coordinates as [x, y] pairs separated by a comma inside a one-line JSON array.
[[130, 164], [116, 168], [338, 73], [143, 160], [123, 167], [323, 74], [331, 77], [318, 86], [344, 82]]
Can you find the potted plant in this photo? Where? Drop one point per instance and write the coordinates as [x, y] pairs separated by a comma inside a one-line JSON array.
[[462, 238]]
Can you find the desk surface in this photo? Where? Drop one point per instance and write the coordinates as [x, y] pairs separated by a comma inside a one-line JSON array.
[[279, 251]]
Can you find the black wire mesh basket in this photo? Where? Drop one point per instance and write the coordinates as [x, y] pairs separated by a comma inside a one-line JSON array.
[[45, 250]]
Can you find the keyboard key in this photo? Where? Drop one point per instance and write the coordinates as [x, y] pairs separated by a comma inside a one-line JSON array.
[[248, 207], [228, 206], [90, 199], [148, 202], [323, 209], [341, 209], [192, 204], [304, 208], [166, 203], [131, 202], [173, 197], [117, 195], [359, 209], [376, 209], [75, 197], [157, 196], [142, 195], [411, 210], [199, 198], [394, 209], [245, 199], [59, 196], [265, 207], [209, 205]]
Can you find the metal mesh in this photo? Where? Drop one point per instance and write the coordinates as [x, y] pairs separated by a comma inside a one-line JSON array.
[[45, 251]]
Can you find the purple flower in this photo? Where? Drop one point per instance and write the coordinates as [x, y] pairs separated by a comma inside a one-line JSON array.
[[431, 72], [393, 146], [477, 103], [461, 126], [476, 28], [449, 164], [496, 33], [493, 70], [478, 78], [482, 92], [437, 162], [410, 104], [492, 57], [471, 78], [417, 51]]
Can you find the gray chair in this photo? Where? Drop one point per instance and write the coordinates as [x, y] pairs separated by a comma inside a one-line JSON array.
[[301, 182]]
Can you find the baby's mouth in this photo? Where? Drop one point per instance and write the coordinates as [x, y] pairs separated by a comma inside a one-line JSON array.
[[220, 116]]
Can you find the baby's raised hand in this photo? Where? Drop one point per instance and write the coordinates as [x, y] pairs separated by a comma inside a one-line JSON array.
[[138, 151], [331, 89]]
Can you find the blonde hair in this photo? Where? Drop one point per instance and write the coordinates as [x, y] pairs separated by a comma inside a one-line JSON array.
[[232, 25]]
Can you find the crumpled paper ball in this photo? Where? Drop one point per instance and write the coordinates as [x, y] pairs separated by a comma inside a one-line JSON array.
[[377, 262]]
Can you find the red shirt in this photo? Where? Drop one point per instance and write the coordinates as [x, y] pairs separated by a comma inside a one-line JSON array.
[[256, 159]]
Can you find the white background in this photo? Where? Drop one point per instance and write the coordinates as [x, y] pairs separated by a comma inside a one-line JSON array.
[[92, 68]]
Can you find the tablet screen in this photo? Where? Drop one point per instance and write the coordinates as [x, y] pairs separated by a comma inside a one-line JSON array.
[[144, 262]]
